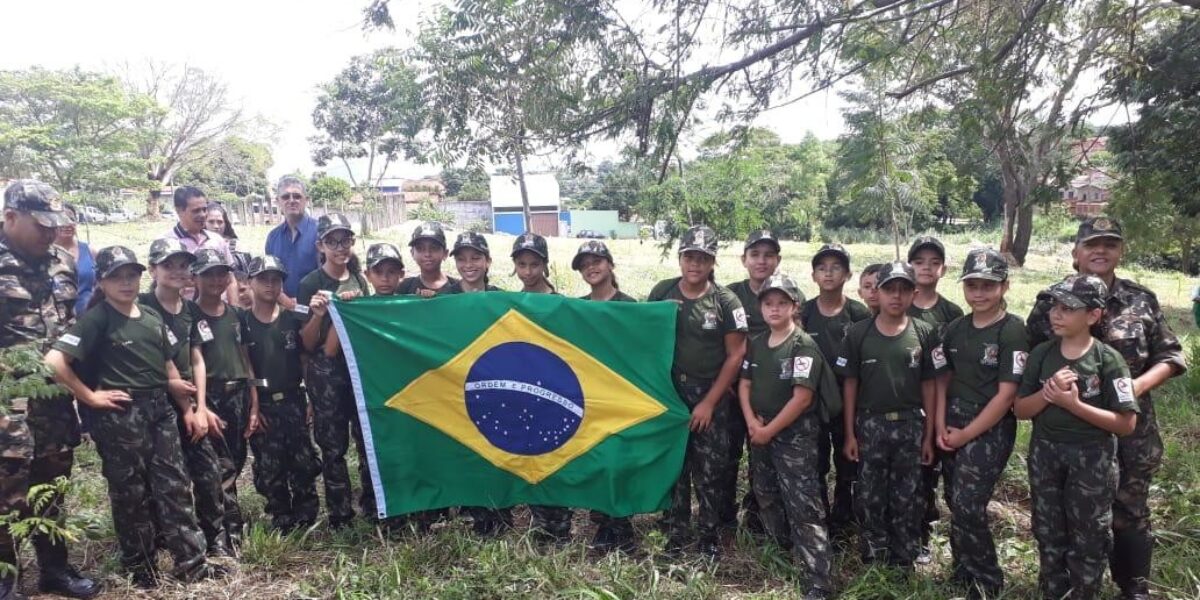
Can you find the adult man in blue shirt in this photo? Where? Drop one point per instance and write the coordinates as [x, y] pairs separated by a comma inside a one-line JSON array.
[[294, 241]]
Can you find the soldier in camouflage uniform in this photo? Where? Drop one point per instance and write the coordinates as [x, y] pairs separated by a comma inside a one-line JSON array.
[[124, 353], [1133, 324], [984, 354], [710, 342], [889, 392], [37, 299], [285, 462], [1079, 394], [779, 392]]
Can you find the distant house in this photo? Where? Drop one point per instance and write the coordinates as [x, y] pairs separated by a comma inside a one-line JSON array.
[[1088, 194], [507, 208]]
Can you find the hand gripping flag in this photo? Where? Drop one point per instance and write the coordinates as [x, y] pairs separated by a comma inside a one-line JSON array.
[[497, 399]]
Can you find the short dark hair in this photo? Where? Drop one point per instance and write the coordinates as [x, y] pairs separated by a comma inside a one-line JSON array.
[[872, 269], [185, 193]]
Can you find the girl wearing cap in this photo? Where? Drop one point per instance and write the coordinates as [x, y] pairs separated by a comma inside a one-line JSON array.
[[228, 389], [473, 260], [125, 354], [335, 417], [710, 341], [984, 354], [428, 247], [170, 267], [1079, 393], [385, 268]]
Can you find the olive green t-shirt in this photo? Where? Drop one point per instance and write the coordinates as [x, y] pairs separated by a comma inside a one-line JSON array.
[[220, 341], [274, 350], [1104, 382], [414, 285], [119, 352], [319, 281], [180, 328], [983, 358], [829, 332], [774, 371], [939, 315], [749, 300], [889, 369], [456, 288], [701, 326], [617, 297]]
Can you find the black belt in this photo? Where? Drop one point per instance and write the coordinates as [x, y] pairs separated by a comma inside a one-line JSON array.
[[685, 379], [146, 394], [226, 386], [907, 414], [278, 395]]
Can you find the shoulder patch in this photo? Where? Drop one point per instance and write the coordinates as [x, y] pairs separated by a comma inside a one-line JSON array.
[[802, 367], [739, 318], [1020, 357], [939, 357], [70, 339], [1124, 388]]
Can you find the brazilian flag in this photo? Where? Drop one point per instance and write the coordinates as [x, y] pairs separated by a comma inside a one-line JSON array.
[[496, 399]]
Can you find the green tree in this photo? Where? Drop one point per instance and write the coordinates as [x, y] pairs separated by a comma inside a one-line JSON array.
[[74, 129], [466, 183], [329, 192], [1157, 233], [235, 165]]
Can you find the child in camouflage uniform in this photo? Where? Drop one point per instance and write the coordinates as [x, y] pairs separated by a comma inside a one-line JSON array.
[[385, 268], [780, 381], [985, 354], [1079, 394], [889, 395], [428, 247], [710, 342], [866, 286], [126, 353], [473, 261], [285, 462]]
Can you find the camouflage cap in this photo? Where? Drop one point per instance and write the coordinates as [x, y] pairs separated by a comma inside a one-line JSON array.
[[699, 238], [39, 200], [894, 271], [1080, 291], [429, 230], [985, 263], [472, 240], [164, 248], [266, 264], [782, 283], [208, 259], [531, 242], [382, 251], [112, 258], [1098, 227], [926, 242], [331, 222], [592, 247], [836, 250], [762, 236]]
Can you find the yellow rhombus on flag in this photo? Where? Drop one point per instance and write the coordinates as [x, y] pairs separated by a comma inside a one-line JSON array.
[[596, 402]]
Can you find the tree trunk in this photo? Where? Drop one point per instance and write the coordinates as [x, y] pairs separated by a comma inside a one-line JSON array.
[[1018, 213], [524, 192], [152, 205]]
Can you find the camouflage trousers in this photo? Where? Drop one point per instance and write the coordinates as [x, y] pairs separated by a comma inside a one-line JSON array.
[[971, 475], [889, 480], [231, 402], [36, 449], [554, 521], [704, 467], [789, 494], [1139, 456], [204, 471], [335, 419], [739, 442], [142, 460], [285, 462], [1072, 487], [830, 441]]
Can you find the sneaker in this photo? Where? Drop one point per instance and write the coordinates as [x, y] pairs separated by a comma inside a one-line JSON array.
[[205, 571], [816, 593], [925, 556], [710, 548], [604, 541]]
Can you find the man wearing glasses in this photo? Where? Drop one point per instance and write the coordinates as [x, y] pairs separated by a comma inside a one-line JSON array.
[[294, 241]]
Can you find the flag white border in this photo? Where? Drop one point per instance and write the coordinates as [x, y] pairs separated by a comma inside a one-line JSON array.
[[361, 401]]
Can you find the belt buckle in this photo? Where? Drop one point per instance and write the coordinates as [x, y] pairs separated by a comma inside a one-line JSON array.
[[231, 385], [892, 416], [277, 396]]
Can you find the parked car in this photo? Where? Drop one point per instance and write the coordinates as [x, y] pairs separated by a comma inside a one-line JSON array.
[[91, 214], [121, 215], [590, 234]]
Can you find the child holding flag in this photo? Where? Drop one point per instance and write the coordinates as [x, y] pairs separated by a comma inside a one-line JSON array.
[[473, 261], [385, 268], [428, 247]]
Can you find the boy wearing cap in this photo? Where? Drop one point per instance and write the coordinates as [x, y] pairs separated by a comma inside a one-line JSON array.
[[385, 268], [866, 286], [827, 318], [170, 266], [889, 394], [780, 381], [228, 389], [285, 462], [985, 354], [428, 247], [710, 342], [1079, 394], [1133, 323]]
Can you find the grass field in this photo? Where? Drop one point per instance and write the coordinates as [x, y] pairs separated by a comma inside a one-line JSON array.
[[452, 563]]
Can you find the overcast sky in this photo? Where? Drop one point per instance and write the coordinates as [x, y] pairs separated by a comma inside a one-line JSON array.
[[272, 53]]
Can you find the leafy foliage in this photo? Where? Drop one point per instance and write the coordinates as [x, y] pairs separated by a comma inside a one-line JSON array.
[[236, 166], [330, 192], [24, 375]]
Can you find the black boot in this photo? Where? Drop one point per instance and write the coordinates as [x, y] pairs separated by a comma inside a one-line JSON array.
[[58, 576], [1130, 562], [10, 589]]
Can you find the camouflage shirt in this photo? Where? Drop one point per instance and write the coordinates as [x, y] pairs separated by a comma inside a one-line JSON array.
[[37, 300], [1133, 324]]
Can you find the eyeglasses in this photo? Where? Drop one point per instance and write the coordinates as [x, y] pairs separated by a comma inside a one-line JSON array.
[[292, 196], [345, 243]]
